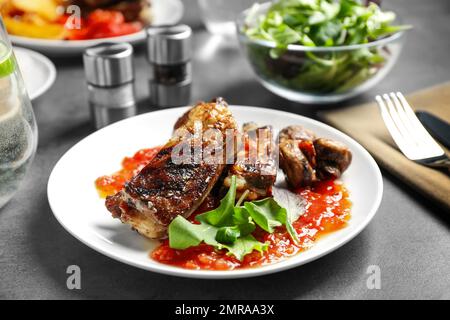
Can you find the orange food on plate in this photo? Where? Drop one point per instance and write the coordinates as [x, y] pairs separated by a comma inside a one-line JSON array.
[[52, 19], [111, 184], [104, 24]]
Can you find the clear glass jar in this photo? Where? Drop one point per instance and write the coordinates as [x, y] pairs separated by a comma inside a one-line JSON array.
[[219, 15], [18, 131]]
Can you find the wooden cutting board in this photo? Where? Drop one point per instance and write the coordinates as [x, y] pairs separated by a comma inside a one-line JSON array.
[[364, 124]]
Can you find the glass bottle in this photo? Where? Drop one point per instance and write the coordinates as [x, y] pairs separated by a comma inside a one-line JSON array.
[[18, 131]]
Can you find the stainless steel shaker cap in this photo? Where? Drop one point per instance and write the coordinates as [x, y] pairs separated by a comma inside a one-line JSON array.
[[169, 45], [109, 64]]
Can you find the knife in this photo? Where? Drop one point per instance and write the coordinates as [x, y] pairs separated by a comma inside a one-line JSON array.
[[438, 128]]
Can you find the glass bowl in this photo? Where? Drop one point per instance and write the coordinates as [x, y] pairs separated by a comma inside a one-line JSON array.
[[318, 75]]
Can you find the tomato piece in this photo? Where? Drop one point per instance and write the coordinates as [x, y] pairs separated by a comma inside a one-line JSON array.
[[104, 24], [106, 16]]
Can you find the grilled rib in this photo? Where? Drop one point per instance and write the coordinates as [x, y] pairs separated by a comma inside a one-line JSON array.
[[165, 188]]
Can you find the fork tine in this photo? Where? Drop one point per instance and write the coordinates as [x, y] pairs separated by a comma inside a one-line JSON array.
[[429, 143], [397, 119], [409, 126], [397, 136]]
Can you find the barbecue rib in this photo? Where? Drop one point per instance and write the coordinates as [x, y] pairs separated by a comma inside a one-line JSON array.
[[165, 189]]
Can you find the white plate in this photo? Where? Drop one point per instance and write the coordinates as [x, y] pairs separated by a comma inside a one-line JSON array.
[[77, 206], [165, 12], [38, 72]]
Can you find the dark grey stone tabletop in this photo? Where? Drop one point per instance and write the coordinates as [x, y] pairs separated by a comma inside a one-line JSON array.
[[408, 239]]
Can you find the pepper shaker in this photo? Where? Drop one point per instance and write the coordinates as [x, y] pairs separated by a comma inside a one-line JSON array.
[[169, 56], [110, 77]]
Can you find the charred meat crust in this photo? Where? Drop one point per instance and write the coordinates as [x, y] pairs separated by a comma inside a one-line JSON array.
[[333, 158], [298, 171], [173, 189], [165, 189], [297, 132]]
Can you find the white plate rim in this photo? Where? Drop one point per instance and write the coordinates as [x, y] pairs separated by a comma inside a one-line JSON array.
[[47, 63], [240, 273]]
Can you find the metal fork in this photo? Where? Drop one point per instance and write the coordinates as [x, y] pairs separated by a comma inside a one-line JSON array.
[[408, 133]]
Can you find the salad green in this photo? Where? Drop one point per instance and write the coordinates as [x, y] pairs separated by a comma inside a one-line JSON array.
[[319, 23], [230, 225]]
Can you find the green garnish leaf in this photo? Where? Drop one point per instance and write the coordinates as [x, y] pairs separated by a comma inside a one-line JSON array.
[[246, 245], [222, 215], [228, 234], [268, 214], [230, 226], [265, 213], [183, 234]]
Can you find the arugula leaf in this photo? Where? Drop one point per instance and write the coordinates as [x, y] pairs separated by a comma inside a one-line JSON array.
[[286, 221], [294, 204], [268, 214], [222, 215], [230, 226], [265, 213], [241, 215], [228, 234], [231, 234], [183, 234], [245, 245]]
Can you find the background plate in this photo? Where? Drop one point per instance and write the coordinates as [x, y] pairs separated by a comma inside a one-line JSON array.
[[38, 72], [165, 12], [77, 206]]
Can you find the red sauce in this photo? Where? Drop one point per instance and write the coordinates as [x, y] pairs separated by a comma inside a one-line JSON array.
[[327, 210], [111, 184]]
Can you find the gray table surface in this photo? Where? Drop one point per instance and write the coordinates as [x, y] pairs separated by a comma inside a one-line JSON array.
[[408, 238]]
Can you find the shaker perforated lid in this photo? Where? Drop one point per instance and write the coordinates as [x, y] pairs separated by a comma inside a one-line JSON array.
[[109, 64], [169, 45]]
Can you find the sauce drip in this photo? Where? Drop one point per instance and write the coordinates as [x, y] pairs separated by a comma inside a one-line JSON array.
[[111, 184]]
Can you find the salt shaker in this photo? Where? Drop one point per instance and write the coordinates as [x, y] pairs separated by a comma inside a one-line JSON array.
[[110, 77], [169, 56]]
